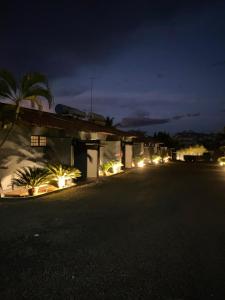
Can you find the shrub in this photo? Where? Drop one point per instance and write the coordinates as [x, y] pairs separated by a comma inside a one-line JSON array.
[[60, 173], [111, 166], [31, 178]]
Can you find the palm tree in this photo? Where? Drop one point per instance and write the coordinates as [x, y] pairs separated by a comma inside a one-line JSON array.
[[109, 122], [32, 87]]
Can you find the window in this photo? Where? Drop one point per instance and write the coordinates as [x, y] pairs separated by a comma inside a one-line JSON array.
[[38, 141]]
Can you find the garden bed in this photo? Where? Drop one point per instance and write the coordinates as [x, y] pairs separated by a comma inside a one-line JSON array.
[[22, 194]]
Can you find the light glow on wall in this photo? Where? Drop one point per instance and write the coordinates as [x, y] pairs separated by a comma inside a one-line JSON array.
[[197, 150]]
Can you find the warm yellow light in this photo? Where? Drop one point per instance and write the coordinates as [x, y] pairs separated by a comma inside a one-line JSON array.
[[61, 182], [222, 163], [156, 160], [141, 164], [166, 159], [100, 173], [196, 150], [116, 168]]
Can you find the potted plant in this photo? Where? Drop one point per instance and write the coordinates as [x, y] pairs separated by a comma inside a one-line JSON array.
[[31, 178], [60, 173]]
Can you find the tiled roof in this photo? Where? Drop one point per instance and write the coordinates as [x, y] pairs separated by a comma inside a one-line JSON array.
[[51, 120]]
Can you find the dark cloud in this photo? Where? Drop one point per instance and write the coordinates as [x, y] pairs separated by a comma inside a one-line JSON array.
[[178, 117], [149, 103], [71, 92], [189, 115], [141, 122], [58, 37], [142, 113], [193, 115], [141, 119]]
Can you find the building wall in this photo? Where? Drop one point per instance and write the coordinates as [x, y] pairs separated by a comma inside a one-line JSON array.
[[110, 150], [92, 164], [128, 156], [138, 149], [17, 152]]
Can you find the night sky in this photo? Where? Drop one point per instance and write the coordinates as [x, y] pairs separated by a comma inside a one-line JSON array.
[[157, 65]]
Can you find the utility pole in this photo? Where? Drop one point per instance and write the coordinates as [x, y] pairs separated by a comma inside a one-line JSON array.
[[92, 85]]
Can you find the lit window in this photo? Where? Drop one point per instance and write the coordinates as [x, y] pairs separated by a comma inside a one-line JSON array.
[[42, 140], [38, 141]]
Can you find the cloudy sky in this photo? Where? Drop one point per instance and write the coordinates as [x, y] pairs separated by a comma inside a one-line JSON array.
[[156, 65]]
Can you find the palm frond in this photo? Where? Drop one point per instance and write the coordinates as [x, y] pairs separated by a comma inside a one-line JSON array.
[[35, 102], [9, 79], [57, 170], [107, 166], [5, 91], [33, 87], [30, 177], [31, 79], [39, 91]]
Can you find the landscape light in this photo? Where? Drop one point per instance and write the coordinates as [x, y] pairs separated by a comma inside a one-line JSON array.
[[61, 181], [116, 168], [166, 159], [221, 161], [156, 160], [141, 164]]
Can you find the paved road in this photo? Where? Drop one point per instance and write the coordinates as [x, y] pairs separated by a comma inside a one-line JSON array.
[[157, 233]]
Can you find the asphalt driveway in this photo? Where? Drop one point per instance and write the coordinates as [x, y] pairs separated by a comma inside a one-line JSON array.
[[153, 233]]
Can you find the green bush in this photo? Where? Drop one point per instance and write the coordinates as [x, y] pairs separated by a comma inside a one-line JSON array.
[[57, 171], [30, 177]]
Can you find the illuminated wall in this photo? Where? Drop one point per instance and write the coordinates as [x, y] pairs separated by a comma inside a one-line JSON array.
[[197, 150], [17, 152]]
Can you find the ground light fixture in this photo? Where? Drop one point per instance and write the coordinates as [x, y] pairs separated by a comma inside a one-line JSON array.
[[166, 159], [156, 160], [61, 182], [116, 168], [221, 161], [141, 164]]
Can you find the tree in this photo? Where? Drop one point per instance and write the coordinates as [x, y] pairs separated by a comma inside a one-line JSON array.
[[109, 122], [165, 138], [32, 87]]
